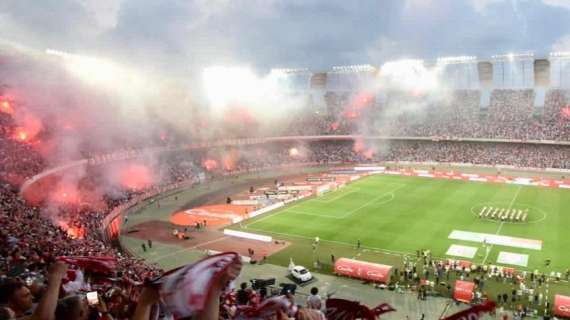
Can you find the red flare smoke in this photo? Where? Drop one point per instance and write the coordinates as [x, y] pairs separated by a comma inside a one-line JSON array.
[[351, 114], [239, 115], [73, 232], [6, 107], [565, 112], [210, 164], [28, 127], [293, 152], [20, 134], [358, 146], [230, 159], [362, 100]]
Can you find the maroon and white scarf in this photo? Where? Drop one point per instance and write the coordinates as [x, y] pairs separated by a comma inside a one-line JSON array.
[[185, 290]]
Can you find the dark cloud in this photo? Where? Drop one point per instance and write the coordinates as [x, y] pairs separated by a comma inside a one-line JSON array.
[[181, 36]]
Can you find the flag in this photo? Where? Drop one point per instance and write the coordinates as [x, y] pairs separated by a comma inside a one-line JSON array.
[[185, 290], [474, 312]]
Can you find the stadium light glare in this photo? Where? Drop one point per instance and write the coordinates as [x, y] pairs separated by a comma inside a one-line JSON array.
[[560, 54], [513, 56], [95, 70], [407, 61], [354, 68], [290, 70], [409, 74], [230, 84], [456, 60]]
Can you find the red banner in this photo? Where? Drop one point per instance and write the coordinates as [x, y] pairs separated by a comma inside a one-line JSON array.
[[362, 270], [463, 291], [561, 306]]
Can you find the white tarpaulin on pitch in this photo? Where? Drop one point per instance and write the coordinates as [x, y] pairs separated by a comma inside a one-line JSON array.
[[516, 259], [496, 239], [461, 251]]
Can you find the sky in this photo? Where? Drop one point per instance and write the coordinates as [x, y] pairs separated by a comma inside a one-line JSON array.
[[183, 36]]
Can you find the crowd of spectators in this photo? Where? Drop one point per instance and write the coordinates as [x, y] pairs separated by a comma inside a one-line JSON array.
[[32, 241], [511, 114], [519, 155]]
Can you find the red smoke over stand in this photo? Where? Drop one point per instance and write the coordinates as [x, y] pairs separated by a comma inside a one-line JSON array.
[[28, 127], [351, 114], [229, 163], [565, 112], [66, 194], [136, 176], [358, 146], [362, 100]]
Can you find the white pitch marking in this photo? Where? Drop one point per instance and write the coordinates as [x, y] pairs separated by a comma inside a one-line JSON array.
[[339, 196]]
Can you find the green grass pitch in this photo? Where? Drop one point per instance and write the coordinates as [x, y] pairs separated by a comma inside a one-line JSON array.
[[394, 215]]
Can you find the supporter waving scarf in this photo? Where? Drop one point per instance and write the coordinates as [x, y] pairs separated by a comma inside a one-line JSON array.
[[475, 312], [341, 309], [185, 290]]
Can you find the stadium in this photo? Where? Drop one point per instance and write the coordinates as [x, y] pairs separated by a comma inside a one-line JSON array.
[[403, 188]]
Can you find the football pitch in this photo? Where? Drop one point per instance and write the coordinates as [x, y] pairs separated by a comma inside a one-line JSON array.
[[393, 216]]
